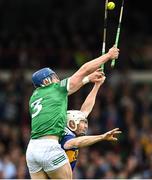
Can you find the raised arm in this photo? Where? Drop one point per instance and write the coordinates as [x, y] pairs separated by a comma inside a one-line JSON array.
[[83, 141], [76, 79], [89, 102]]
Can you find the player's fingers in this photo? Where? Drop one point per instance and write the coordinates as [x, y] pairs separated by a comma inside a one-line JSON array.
[[115, 46], [100, 70], [114, 139], [100, 73], [103, 77], [113, 130], [100, 77], [117, 132], [99, 80]]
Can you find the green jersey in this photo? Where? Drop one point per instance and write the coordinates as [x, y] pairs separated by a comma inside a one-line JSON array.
[[48, 109]]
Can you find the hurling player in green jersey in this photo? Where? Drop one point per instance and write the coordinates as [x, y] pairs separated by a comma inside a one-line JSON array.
[[48, 107]]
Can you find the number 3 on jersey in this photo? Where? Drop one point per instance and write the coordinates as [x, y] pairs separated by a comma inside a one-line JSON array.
[[36, 106]]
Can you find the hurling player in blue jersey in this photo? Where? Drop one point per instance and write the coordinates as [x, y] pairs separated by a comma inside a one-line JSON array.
[[77, 126]]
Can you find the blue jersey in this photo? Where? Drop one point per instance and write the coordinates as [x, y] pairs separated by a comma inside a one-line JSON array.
[[71, 153]]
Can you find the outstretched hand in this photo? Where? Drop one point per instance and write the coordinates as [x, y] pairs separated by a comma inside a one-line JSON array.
[[110, 135], [97, 77]]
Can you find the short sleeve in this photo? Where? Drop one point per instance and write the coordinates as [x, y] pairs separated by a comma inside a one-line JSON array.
[[64, 84], [65, 139]]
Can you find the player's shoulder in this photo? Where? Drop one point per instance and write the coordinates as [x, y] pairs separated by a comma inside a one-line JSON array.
[[68, 132], [61, 84], [66, 137], [34, 94]]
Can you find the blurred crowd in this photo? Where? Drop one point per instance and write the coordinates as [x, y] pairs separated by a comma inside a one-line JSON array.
[[63, 35]]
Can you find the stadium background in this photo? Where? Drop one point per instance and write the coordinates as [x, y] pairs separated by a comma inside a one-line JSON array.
[[63, 35]]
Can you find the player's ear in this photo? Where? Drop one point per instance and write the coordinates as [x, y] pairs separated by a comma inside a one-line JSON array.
[[72, 125], [46, 82]]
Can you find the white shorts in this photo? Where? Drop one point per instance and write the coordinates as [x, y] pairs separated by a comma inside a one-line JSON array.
[[45, 154]]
